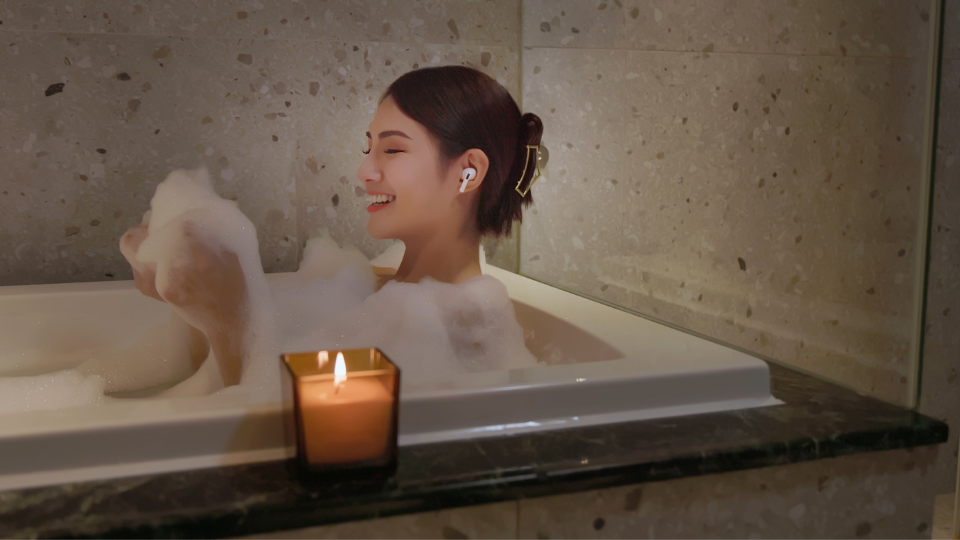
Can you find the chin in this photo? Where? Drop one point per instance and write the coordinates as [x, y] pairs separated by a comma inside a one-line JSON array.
[[378, 233], [376, 236]]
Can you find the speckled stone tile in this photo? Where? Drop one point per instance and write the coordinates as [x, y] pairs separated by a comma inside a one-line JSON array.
[[940, 390], [576, 214], [951, 29], [579, 199], [865, 496], [341, 87], [9, 14], [820, 27], [504, 252], [93, 122], [770, 204], [492, 22], [943, 516], [484, 521]]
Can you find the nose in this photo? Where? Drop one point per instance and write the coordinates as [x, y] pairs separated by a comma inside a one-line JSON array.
[[368, 171]]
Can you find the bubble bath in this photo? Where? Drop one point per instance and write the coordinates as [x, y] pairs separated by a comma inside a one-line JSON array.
[[432, 330], [103, 355]]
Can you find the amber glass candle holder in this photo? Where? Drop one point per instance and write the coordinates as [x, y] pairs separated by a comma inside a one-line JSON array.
[[342, 419]]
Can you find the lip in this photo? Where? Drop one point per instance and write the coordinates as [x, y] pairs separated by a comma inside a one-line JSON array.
[[377, 207]]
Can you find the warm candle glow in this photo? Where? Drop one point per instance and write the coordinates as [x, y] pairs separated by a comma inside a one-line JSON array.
[[339, 371], [343, 424]]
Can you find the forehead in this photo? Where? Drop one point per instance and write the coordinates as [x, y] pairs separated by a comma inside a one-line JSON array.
[[390, 117]]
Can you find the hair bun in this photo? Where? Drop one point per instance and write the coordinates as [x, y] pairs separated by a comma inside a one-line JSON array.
[[531, 129], [463, 108]]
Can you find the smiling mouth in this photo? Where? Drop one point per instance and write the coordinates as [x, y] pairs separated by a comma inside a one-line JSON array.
[[380, 200]]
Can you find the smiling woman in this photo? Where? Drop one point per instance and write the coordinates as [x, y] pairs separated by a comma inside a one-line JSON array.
[[422, 145], [450, 158]]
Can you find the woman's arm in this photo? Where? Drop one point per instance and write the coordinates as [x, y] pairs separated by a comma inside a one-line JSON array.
[[209, 288], [198, 347]]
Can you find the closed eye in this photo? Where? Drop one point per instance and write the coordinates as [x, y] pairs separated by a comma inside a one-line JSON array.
[[393, 151], [367, 151]]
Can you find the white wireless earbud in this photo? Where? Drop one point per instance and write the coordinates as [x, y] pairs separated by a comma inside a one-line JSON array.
[[468, 174]]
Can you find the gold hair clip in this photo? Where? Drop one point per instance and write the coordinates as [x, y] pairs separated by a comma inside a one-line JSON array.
[[526, 164]]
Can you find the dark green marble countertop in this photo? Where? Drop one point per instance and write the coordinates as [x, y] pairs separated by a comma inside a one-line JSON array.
[[818, 420]]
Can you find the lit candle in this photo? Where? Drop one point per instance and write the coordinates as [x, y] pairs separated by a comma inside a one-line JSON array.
[[346, 419]]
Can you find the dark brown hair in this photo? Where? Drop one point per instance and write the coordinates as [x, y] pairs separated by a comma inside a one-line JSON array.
[[463, 108]]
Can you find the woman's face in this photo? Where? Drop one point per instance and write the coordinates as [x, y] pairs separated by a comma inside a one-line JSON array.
[[409, 191]]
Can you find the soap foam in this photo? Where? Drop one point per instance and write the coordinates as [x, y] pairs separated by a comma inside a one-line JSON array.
[[432, 330], [59, 390], [330, 281], [187, 197], [167, 346]]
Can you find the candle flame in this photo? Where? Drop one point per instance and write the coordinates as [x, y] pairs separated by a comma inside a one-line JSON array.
[[322, 358], [339, 371]]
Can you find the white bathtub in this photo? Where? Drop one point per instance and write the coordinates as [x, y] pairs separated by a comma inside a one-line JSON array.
[[606, 366]]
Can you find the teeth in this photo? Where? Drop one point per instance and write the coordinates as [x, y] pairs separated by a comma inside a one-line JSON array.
[[379, 199]]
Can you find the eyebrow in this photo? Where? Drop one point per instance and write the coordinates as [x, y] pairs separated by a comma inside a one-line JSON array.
[[392, 133]]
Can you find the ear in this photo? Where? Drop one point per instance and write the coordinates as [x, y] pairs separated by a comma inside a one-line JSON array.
[[476, 159]]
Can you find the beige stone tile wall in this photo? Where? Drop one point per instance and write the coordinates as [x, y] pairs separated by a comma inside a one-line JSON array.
[[748, 170], [791, 27], [484, 521], [100, 100], [880, 495], [951, 30], [454, 22]]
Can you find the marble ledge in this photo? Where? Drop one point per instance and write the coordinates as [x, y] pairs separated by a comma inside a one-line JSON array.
[[818, 420]]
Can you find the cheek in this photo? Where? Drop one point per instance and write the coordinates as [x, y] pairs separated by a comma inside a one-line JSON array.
[[419, 190]]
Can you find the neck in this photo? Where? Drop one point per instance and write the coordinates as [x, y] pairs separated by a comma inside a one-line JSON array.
[[446, 257]]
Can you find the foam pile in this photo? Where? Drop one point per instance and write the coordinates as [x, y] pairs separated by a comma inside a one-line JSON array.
[[60, 390], [187, 198], [167, 346], [330, 281], [432, 330]]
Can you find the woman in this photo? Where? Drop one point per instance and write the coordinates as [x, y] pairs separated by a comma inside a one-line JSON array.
[[449, 159]]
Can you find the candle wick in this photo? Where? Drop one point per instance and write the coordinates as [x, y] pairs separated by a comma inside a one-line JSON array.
[[336, 388]]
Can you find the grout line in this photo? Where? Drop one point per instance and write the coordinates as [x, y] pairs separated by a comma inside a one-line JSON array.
[[251, 38], [926, 199], [459, 44], [517, 536], [504, 46], [739, 53]]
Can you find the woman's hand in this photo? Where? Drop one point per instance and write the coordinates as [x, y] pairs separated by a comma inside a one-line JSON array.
[[209, 282], [144, 274], [210, 287]]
